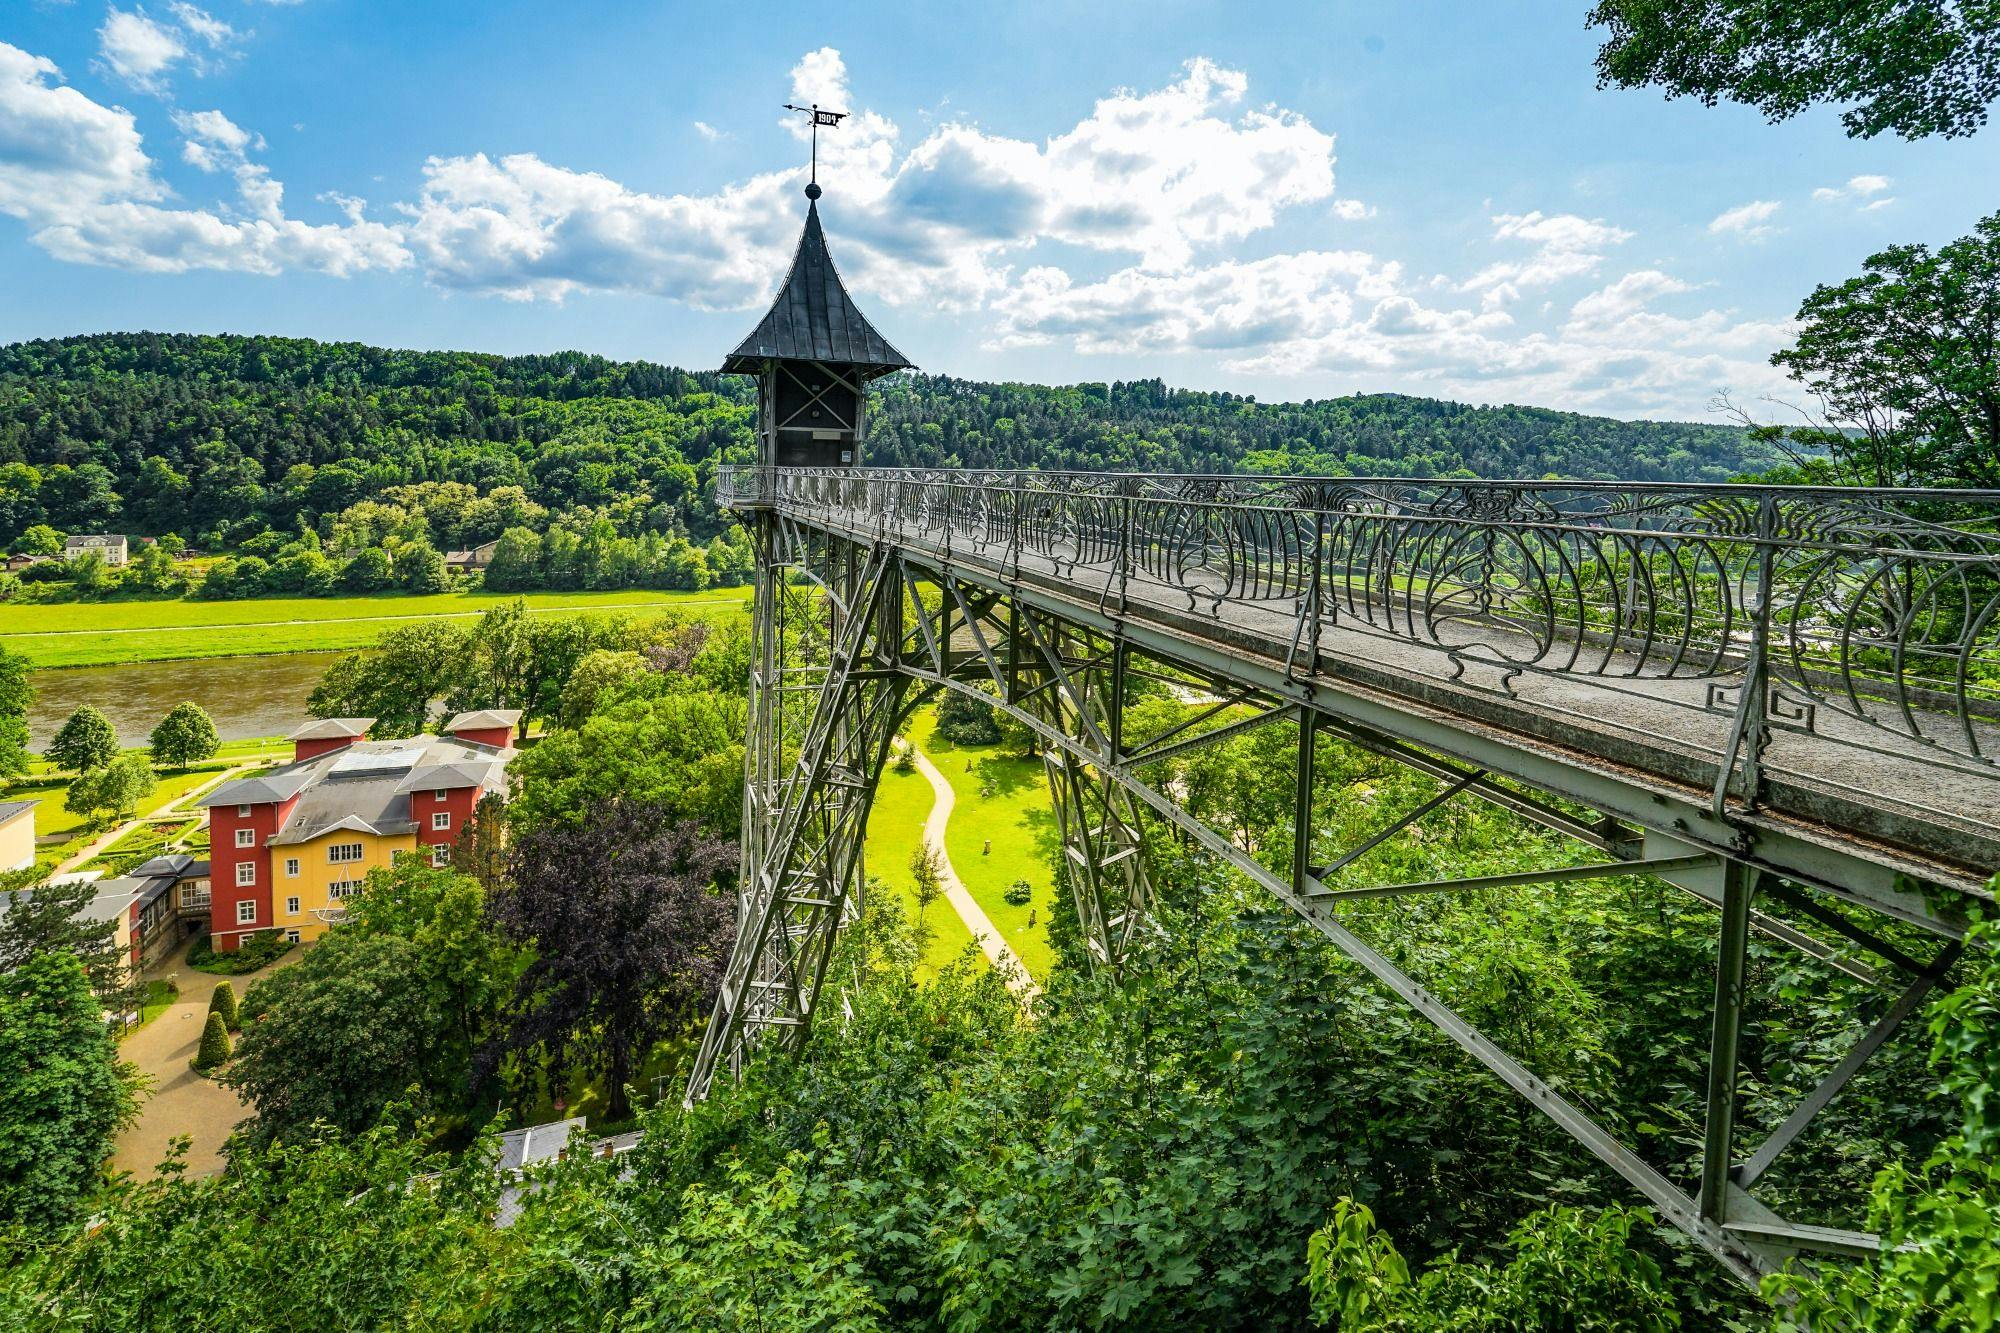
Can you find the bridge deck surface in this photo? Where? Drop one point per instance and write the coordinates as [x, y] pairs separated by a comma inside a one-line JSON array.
[[1884, 795]]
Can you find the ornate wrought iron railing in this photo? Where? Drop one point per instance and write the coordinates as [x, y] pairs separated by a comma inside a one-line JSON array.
[[1779, 603]]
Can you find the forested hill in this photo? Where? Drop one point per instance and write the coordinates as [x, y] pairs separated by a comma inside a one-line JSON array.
[[219, 438]]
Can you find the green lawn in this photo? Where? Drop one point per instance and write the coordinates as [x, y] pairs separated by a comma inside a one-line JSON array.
[[1002, 798], [895, 827], [60, 834], [66, 634], [159, 996]]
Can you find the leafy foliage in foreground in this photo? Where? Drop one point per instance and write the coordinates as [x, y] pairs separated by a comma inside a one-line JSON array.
[[1940, 1224], [1917, 67], [63, 1094]]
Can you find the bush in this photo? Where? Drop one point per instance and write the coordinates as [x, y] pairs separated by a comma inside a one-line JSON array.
[[223, 1001], [215, 1047], [964, 720], [1020, 893], [257, 950]]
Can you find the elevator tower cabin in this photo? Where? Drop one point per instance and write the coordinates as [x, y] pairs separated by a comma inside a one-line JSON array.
[[813, 354]]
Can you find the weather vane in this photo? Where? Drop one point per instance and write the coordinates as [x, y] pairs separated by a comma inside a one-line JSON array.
[[819, 118]]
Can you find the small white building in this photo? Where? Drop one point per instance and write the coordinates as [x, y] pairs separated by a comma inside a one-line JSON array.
[[110, 545]]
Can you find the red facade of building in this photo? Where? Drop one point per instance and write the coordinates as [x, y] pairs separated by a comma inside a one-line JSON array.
[[225, 854]]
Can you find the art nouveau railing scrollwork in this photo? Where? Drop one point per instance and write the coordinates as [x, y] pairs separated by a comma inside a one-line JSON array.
[[1880, 607]]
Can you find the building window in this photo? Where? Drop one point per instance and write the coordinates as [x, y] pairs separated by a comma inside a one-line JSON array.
[[246, 912], [341, 852], [440, 855], [246, 837], [438, 795], [291, 907], [243, 812], [291, 867], [196, 895], [345, 888], [441, 820], [292, 935], [246, 872]]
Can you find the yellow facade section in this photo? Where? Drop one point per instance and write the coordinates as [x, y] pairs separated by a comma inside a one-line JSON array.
[[17, 841], [314, 879]]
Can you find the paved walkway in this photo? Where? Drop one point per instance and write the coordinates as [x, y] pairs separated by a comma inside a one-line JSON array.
[[991, 942], [180, 1101]]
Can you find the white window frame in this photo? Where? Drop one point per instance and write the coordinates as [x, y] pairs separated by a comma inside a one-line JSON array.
[[243, 812], [334, 850], [439, 794], [292, 906], [292, 936], [440, 821], [246, 874], [246, 837], [291, 867], [246, 912], [440, 855]]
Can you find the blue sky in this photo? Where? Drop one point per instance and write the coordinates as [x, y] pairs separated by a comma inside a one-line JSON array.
[[1291, 201]]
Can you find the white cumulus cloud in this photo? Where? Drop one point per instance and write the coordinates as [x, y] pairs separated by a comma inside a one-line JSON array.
[[78, 175], [1749, 221]]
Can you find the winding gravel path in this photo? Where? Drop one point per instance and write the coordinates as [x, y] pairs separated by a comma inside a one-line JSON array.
[[991, 942]]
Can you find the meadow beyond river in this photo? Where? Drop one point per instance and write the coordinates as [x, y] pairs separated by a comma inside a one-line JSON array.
[[136, 659]]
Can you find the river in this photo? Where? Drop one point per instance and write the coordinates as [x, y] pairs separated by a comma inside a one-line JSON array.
[[247, 696]]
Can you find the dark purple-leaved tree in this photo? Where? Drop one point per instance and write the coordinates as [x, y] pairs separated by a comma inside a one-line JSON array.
[[630, 935]]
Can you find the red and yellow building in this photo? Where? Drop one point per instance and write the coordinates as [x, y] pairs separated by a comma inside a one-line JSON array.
[[287, 847]]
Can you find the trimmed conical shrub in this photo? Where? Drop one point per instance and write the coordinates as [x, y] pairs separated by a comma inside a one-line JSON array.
[[215, 1046], [223, 1002]]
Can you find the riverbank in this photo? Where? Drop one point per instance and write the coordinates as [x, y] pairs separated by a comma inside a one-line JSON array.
[[93, 634]]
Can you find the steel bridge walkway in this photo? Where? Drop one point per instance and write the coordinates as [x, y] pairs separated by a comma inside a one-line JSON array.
[[1771, 698]]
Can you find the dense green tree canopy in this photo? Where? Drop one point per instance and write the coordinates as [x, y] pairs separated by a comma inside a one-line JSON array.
[[337, 1037], [1906, 359], [186, 735], [86, 740], [63, 1094], [222, 438], [1917, 67], [16, 695]]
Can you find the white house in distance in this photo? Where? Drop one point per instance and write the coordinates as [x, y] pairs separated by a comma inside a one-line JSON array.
[[110, 545]]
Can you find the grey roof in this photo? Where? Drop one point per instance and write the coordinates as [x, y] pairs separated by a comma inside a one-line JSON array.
[[179, 865], [12, 810], [332, 728], [481, 718], [88, 540], [365, 786], [117, 896], [445, 777], [278, 784], [814, 319]]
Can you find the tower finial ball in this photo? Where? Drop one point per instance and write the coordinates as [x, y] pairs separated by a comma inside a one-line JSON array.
[[812, 190]]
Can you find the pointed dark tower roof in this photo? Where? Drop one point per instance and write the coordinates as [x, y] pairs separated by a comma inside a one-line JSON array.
[[814, 319]]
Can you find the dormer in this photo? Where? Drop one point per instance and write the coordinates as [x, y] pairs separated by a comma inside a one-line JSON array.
[[327, 734], [485, 726]]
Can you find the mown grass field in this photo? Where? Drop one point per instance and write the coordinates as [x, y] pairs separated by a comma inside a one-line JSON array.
[[1002, 800], [66, 634], [895, 827]]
